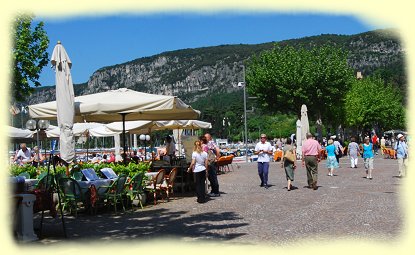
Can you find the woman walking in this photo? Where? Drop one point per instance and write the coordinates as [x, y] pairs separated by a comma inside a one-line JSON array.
[[199, 165], [368, 157], [288, 165], [353, 152], [331, 157]]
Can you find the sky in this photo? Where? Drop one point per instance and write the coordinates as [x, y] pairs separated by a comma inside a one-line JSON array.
[[93, 42]]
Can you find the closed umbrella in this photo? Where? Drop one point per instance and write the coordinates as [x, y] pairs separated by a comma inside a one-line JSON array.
[[64, 102], [305, 127], [298, 136]]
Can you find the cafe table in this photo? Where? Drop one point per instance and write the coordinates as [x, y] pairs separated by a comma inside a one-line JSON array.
[[97, 183]]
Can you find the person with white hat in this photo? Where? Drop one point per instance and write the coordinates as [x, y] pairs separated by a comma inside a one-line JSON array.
[[401, 154]]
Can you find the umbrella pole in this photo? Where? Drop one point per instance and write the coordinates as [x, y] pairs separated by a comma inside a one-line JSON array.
[[124, 155]]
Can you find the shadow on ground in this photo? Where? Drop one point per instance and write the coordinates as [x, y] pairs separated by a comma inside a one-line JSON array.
[[143, 224]]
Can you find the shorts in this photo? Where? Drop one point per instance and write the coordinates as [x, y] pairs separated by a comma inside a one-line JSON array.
[[368, 163]]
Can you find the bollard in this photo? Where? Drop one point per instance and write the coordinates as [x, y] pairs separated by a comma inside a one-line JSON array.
[[24, 224]]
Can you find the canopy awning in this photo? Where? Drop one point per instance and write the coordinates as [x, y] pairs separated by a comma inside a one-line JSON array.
[[108, 106]]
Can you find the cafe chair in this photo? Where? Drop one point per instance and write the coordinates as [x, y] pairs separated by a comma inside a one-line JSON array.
[[71, 194], [155, 184], [41, 175], [26, 175], [135, 189], [77, 175], [46, 182], [114, 193], [168, 185]]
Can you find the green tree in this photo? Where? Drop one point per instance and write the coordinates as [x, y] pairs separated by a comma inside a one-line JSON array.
[[285, 78], [29, 56], [372, 102]]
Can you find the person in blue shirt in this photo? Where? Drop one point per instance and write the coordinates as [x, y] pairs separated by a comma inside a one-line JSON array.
[[331, 157], [401, 154], [368, 155]]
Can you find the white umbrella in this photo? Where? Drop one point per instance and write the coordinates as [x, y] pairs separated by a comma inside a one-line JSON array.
[[102, 131], [64, 102], [305, 127], [178, 126], [124, 104], [134, 127], [111, 105], [182, 124], [19, 133], [79, 129]]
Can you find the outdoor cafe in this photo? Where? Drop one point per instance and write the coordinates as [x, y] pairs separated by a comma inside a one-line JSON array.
[[62, 187]]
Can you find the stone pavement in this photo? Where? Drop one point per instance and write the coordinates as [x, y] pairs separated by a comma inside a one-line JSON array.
[[345, 206]]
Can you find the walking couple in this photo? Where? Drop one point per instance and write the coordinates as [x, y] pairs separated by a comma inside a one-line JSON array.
[[204, 157]]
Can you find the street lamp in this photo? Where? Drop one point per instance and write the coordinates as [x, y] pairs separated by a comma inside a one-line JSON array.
[[145, 139], [32, 125], [242, 84]]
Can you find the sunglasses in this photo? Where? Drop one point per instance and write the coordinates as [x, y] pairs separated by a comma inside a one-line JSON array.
[[263, 137]]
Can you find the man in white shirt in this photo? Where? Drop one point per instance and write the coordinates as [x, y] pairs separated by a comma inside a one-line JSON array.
[[264, 150], [24, 155]]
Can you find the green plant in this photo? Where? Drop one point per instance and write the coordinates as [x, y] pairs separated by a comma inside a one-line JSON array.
[[16, 170]]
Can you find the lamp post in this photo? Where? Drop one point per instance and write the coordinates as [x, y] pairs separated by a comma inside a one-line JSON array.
[[32, 125], [145, 139], [242, 84]]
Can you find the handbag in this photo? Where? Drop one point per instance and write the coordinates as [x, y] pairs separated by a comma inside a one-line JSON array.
[[289, 156], [211, 157]]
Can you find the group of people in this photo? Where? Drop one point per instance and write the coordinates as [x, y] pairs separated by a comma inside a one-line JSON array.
[[27, 156], [311, 156], [203, 165]]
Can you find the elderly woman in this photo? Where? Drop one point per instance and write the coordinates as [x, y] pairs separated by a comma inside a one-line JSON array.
[[331, 157], [288, 165], [37, 156], [353, 152]]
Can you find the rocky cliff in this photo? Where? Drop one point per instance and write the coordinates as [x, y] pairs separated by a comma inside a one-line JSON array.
[[194, 73]]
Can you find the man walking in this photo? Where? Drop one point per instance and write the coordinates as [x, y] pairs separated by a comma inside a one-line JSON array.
[[263, 149], [401, 154], [212, 167], [310, 157]]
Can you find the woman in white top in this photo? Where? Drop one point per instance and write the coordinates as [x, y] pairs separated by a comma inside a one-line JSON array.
[[199, 165]]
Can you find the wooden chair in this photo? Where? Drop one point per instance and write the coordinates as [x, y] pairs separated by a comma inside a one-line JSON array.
[[386, 153], [169, 184], [392, 154], [229, 160], [277, 155], [221, 162], [155, 184]]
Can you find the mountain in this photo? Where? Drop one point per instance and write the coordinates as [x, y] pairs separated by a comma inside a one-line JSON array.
[[197, 73]]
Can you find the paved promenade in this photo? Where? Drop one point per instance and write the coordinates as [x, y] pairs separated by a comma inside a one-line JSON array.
[[345, 206]]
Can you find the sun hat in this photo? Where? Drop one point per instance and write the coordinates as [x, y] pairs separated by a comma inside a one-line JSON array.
[[399, 136]]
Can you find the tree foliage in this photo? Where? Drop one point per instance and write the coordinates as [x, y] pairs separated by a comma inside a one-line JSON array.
[[372, 102], [29, 56], [285, 78]]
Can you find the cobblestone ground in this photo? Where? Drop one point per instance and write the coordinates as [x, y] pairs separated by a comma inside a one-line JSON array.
[[345, 206]]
